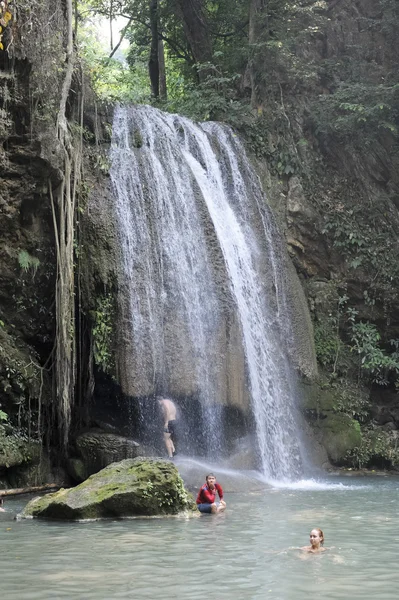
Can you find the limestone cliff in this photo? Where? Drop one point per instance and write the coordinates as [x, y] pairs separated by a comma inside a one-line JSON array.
[[30, 73]]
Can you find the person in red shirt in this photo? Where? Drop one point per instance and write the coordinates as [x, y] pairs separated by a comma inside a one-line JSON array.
[[207, 496]]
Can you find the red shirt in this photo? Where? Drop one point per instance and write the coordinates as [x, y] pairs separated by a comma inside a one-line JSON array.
[[207, 496]]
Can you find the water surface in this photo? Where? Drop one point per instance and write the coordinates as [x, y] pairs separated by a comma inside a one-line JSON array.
[[247, 553]]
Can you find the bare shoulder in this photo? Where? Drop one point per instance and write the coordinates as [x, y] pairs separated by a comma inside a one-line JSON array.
[[311, 550]]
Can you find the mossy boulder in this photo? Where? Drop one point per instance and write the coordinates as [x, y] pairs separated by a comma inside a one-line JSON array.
[[317, 399], [329, 411], [339, 434], [128, 488]]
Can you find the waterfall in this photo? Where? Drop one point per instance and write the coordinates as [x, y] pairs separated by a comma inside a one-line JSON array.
[[202, 256]]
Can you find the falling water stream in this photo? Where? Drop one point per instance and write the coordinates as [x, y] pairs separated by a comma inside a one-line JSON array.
[[199, 243]]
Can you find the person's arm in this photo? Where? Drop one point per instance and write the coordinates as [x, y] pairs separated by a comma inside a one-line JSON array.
[[199, 497], [220, 490]]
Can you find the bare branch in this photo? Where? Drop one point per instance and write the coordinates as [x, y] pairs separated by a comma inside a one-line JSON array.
[[124, 30]]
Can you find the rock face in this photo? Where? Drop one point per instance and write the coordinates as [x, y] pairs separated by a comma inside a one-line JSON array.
[[124, 489], [29, 163], [339, 435], [15, 451], [98, 449]]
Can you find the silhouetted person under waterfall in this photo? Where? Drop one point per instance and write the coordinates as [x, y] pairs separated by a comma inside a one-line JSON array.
[[169, 412]]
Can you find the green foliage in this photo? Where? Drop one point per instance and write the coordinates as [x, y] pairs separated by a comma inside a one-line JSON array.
[[331, 351], [283, 161], [28, 262], [357, 109], [367, 240], [326, 343], [127, 80], [23, 385], [212, 99], [102, 163], [18, 379], [269, 137], [103, 319], [286, 33], [112, 78], [14, 447], [350, 400], [375, 362], [376, 446]]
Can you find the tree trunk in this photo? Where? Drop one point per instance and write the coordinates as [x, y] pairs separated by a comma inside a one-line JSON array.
[[197, 31], [153, 63], [163, 92], [111, 37], [256, 33], [48, 487]]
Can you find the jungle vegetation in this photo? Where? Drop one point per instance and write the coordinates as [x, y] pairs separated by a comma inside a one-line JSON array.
[[279, 73]]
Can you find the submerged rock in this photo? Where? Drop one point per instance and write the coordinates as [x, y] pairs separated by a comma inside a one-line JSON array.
[[127, 488]]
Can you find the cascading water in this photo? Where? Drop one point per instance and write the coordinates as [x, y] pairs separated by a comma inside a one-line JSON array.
[[199, 247]]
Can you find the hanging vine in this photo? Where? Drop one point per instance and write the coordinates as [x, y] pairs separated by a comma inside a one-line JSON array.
[[63, 203]]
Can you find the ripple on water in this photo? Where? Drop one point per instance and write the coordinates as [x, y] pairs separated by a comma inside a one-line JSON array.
[[249, 553]]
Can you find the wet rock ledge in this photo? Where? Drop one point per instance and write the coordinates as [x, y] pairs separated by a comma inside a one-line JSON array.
[[131, 487]]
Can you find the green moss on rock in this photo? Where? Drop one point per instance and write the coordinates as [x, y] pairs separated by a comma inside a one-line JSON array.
[[339, 435], [76, 469], [127, 488], [16, 451], [318, 399]]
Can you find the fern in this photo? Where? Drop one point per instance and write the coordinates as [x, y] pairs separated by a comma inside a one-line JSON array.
[[26, 261]]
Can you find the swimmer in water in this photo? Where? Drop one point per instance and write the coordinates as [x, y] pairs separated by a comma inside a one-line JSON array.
[[316, 542]]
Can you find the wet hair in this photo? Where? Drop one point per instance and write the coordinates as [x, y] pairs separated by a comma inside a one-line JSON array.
[[209, 475], [321, 534]]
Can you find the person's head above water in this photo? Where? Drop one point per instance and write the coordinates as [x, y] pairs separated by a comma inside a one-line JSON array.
[[316, 537], [210, 480]]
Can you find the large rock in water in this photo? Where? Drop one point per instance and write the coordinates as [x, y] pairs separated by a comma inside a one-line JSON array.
[[127, 488], [97, 450]]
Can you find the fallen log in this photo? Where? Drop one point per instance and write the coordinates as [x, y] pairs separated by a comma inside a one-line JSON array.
[[48, 487]]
